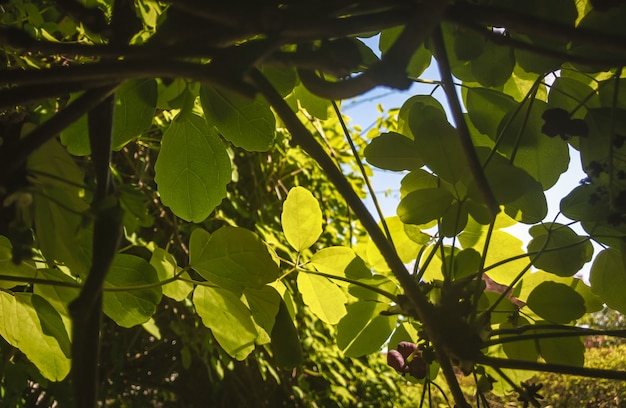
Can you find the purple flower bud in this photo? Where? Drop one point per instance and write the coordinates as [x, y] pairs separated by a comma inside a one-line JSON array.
[[406, 348], [396, 361]]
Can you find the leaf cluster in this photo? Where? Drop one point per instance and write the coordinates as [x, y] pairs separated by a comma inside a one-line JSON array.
[[184, 170]]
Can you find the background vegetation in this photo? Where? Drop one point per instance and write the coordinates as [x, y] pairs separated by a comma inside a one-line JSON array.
[[183, 225]]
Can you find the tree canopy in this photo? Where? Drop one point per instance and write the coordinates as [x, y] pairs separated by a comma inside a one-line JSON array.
[[183, 222]]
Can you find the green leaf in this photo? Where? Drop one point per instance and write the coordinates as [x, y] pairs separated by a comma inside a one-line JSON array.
[[58, 296], [454, 220], [519, 350], [417, 180], [325, 299], [192, 169], [418, 62], [228, 318], [561, 350], [263, 304], [501, 386], [556, 302], [468, 45], [503, 246], [568, 93], [340, 261], [313, 104], [283, 79], [531, 207], [422, 206], [507, 182], [247, 123], [25, 269], [407, 106], [129, 308], [466, 263], [608, 278], [521, 137], [405, 244], [135, 101], [593, 303], [285, 341], [22, 327], [76, 136], [52, 323], [364, 292], [232, 257], [135, 206], [564, 251], [166, 267], [494, 65], [301, 218], [582, 204], [363, 330], [59, 231], [486, 108], [393, 151], [439, 144]]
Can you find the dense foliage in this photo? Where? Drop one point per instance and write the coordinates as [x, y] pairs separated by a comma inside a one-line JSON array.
[[183, 225]]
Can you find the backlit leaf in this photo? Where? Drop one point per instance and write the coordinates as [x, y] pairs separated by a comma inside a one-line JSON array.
[[247, 123], [363, 329], [486, 108], [494, 65], [232, 257], [166, 267], [285, 341], [325, 299], [263, 304], [7, 267], [418, 62], [422, 206], [519, 350], [556, 302], [301, 218], [564, 251], [608, 278], [340, 261], [192, 168], [392, 151], [521, 137], [404, 242], [135, 101], [228, 318], [439, 144], [31, 327], [57, 209], [129, 308], [314, 105]]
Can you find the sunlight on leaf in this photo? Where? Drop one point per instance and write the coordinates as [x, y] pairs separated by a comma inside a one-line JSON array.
[[132, 307], [232, 257], [247, 123], [301, 218], [363, 329], [22, 327], [228, 318], [326, 300], [192, 169]]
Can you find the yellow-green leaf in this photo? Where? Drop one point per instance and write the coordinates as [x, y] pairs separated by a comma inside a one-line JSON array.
[[325, 299], [301, 218]]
